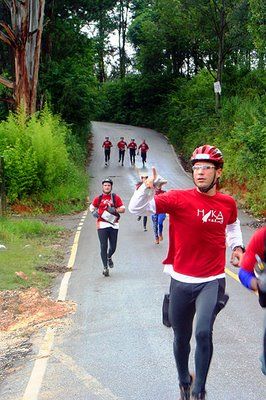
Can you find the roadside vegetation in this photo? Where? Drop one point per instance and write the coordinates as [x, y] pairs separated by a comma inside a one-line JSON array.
[[29, 250], [44, 163], [178, 50]]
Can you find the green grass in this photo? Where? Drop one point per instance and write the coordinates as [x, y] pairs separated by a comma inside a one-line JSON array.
[[28, 248], [65, 198]]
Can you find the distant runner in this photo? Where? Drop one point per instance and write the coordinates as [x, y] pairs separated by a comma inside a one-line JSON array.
[[132, 146], [143, 148], [107, 150], [158, 219], [143, 178], [107, 209], [122, 148]]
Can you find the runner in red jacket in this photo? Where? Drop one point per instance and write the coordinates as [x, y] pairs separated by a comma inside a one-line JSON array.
[[252, 275]]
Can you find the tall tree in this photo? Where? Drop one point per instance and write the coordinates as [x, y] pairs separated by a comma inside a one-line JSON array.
[[24, 37], [257, 27], [123, 20]]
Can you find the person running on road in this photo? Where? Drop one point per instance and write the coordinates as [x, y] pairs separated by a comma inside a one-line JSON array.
[[122, 148], [199, 219], [252, 275], [107, 150], [107, 209], [143, 148], [143, 177], [158, 219], [132, 146]]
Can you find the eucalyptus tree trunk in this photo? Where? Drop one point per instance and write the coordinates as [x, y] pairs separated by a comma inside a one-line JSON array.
[[24, 36], [122, 30]]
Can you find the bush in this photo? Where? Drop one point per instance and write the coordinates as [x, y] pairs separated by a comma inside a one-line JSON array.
[[40, 154], [239, 130]]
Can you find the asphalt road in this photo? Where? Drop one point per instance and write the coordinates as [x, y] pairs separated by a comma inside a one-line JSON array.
[[115, 346]]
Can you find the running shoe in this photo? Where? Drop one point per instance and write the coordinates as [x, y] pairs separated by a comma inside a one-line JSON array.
[[145, 229], [106, 271], [199, 396], [185, 390], [139, 218], [110, 263]]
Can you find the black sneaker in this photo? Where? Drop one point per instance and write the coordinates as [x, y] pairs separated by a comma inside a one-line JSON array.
[[110, 263], [199, 396], [106, 271], [185, 390]]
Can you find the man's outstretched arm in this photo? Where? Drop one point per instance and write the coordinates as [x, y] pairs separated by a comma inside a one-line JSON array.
[[142, 202]]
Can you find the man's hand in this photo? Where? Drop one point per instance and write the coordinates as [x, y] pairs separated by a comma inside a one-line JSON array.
[[149, 182], [95, 214], [236, 256], [112, 210]]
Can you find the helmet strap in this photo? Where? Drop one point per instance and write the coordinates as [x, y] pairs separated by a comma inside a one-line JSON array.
[[205, 190]]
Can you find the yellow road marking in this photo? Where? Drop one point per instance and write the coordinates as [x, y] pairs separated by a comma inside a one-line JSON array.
[[89, 381], [40, 365], [232, 274], [37, 374], [235, 277]]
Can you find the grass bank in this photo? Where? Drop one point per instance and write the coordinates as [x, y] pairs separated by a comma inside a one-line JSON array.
[[29, 248]]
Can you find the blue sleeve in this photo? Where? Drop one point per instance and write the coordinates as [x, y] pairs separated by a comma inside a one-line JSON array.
[[246, 277]]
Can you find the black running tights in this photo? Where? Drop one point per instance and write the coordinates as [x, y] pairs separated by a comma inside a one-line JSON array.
[[186, 300], [108, 240], [107, 153]]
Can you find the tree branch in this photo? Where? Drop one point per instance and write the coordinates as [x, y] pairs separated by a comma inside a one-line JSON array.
[[6, 82], [8, 100], [5, 39], [8, 30]]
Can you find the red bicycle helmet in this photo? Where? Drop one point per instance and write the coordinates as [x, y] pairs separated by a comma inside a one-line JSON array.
[[207, 153]]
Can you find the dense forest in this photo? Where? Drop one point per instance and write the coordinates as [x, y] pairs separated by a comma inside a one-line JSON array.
[[147, 63]]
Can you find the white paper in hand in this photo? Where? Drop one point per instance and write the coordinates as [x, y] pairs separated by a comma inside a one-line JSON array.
[[108, 217]]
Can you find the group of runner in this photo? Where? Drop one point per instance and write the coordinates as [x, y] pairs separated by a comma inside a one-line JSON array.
[[122, 146], [201, 221]]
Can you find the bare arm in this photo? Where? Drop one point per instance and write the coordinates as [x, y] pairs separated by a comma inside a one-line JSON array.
[[121, 209]]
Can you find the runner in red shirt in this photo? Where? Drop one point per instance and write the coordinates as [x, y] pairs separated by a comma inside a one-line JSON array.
[[132, 146], [143, 148], [107, 209], [252, 275], [199, 219], [107, 150], [122, 148]]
